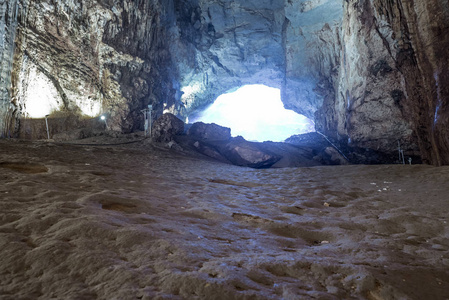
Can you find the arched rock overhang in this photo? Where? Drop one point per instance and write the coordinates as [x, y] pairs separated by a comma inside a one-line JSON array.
[[288, 45]]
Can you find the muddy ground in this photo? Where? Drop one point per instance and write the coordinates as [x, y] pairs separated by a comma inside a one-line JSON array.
[[138, 221]]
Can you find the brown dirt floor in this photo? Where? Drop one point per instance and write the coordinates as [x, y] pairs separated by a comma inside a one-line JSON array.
[[140, 222]]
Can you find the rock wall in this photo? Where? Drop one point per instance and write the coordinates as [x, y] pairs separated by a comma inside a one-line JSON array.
[[116, 57], [393, 78], [222, 45], [420, 28], [366, 111], [8, 25], [87, 57], [293, 45], [312, 50]]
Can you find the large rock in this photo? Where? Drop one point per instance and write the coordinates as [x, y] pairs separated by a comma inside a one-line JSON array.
[[212, 132], [166, 127], [248, 154], [210, 150], [323, 150]]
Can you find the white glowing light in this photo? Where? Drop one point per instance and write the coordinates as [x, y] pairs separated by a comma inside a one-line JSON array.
[[257, 113], [103, 118], [41, 97]]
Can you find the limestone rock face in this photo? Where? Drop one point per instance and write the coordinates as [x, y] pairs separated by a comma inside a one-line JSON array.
[[393, 80], [88, 57], [294, 45], [312, 45], [8, 27], [420, 52], [365, 112], [222, 45], [166, 127]]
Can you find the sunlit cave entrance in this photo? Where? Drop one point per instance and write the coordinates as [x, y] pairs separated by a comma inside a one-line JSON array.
[[257, 113]]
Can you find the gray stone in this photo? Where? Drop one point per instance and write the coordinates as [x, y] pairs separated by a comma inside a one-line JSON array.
[[322, 150], [166, 127], [210, 151], [248, 154], [211, 132]]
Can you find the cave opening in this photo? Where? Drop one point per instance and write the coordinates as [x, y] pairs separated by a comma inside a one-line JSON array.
[[256, 113]]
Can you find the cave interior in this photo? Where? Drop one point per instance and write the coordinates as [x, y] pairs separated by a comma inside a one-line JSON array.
[[114, 183], [371, 76]]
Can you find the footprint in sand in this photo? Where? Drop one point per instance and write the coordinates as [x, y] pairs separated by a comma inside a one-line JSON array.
[[286, 230], [24, 167]]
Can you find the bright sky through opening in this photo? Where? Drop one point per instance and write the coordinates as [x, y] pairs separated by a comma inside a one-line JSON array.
[[256, 112]]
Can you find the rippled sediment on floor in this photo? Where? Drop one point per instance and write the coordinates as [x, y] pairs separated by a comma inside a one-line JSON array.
[[135, 221]]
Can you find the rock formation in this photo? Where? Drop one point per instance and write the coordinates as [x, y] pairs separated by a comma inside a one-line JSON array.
[[392, 82], [96, 56], [166, 127], [371, 73], [215, 141], [212, 132]]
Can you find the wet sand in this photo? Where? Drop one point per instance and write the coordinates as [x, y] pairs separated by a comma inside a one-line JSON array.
[[139, 222]]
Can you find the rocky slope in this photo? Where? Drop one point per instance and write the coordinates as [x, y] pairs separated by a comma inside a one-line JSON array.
[[372, 73]]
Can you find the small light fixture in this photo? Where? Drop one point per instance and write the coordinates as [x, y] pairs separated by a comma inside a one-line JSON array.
[[103, 118]]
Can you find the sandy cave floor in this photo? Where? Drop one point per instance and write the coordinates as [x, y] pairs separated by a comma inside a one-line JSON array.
[[138, 222]]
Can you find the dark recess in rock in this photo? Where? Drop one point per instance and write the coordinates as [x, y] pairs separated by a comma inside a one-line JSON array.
[[381, 67], [397, 96]]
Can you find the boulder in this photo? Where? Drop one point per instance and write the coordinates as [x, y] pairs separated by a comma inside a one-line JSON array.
[[321, 148], [166, 127], [311, 140], [211, 132], [209, 150], [248, 154]]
